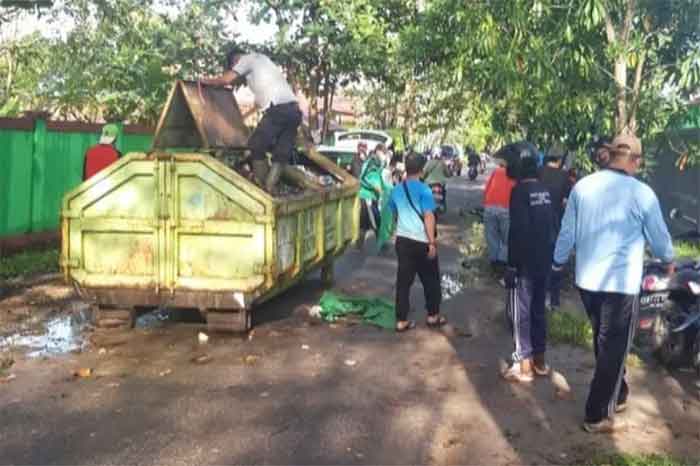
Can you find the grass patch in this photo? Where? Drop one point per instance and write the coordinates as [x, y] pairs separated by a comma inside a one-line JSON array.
[[686, 249], [638, 460], [572, 328], [29, 263]]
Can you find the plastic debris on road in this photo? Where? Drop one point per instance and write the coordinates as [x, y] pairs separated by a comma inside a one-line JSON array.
[[315, 312], [372, 310], [203, 338]]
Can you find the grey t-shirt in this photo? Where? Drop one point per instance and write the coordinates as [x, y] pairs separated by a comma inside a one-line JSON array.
[[265, 79]]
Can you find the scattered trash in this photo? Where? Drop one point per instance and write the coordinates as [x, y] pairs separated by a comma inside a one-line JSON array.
[[251, 334], [102, 351], [561, 386], [264, 395], [251, 359], [8, 378], [83, 372], [350, 362], [315, 311], [154, 319], [202, 359], [166, 372], [113, 385], [305, 347], [203, 338], [451, 286]]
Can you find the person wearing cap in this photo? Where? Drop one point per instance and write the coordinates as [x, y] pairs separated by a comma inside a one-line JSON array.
[[412, 204], [358, 159], [102, 154], [557, 183], [609, 218], [531, 238], [277, 130]]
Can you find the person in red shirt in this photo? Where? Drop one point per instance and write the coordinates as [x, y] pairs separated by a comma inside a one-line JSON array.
[[103, 153], [496, 217]]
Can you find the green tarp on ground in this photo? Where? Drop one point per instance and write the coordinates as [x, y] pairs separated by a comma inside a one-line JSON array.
[[373, 311]]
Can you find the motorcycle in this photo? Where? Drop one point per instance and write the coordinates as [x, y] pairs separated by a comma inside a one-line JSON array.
[[440, 197], [669, 313]]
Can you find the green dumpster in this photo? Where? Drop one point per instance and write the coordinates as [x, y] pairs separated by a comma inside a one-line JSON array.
[[182, 226]]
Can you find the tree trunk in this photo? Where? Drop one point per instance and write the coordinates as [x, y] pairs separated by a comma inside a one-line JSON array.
[[621, 95]]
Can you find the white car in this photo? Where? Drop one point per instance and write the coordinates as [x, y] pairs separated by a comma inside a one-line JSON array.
[[350, 139]]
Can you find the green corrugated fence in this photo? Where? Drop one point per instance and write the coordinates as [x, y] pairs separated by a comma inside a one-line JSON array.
[[42, 160]]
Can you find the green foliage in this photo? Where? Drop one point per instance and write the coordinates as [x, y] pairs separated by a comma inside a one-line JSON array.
[[637, 460], [686, 249], [29, 263], [569, 327]]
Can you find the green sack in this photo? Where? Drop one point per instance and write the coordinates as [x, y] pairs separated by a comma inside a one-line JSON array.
[[373, 311], [387, 225]]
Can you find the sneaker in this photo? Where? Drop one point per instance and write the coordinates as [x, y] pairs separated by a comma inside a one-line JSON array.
[[514, 374], [606, 426]]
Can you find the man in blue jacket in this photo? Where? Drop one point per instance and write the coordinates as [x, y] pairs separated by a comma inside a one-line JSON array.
[[608, 219]]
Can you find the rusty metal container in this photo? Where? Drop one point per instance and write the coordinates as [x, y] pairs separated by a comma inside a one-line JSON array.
[[179, 227]]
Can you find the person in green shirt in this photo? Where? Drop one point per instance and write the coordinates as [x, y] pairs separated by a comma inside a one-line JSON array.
[[372, 190], [436, 173]]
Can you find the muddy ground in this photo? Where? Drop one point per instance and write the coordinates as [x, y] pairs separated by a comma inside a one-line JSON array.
[[300, 391]]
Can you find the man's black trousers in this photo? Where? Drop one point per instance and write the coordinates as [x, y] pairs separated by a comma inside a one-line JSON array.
[[413, 259], [276, 133], [614, 319]]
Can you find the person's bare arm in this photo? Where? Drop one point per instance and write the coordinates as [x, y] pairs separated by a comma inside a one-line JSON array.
[[228, 77], [429, 221]]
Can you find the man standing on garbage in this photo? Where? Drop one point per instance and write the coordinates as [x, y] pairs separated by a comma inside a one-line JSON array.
[[609, 217], [277, 130], [412, 202]]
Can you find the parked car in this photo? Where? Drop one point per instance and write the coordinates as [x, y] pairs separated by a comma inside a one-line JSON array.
[[349, 140], [340, 155]]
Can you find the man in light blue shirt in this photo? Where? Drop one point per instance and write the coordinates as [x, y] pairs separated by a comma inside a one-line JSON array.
[[413, 205], [609, 218]]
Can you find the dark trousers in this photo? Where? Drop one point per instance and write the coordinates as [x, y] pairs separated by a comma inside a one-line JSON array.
[[413, 259], [528, 316], [276, 133], [613, 318], [554, 288]]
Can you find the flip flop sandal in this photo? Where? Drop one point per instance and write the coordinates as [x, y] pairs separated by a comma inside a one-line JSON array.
[[439, 322], [409, 326]]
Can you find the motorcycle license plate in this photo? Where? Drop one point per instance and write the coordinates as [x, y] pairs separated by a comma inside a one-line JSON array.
[[655, 300]]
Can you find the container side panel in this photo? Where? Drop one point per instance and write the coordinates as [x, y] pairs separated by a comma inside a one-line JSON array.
[[348, 218], [201, 201], [220, 256], [309, 247], [132, 199], [331, 225], [286, 241], [118, 253]]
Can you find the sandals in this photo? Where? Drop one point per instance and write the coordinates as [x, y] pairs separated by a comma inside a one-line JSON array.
[[437, 323], [410, 325]]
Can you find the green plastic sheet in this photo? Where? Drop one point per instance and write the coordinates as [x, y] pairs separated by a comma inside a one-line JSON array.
[[372, 310]]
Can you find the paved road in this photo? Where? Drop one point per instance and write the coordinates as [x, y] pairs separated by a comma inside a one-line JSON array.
[[303, 392]]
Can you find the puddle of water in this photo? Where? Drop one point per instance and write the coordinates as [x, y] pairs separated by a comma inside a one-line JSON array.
[[59, 335], [451, 285]]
